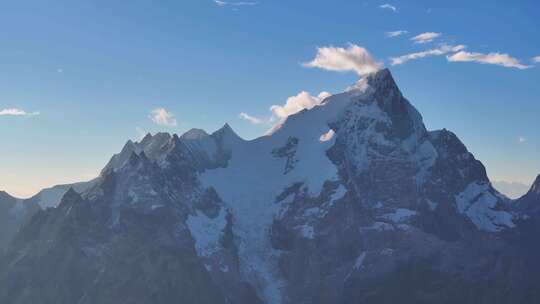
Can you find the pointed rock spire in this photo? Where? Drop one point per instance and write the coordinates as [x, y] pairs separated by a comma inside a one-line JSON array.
[[226, 133], [71, 195], [194, 134], [147, 138]]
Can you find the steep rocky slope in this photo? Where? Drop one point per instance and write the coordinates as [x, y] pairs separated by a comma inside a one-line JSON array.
[[13, 214], [353, 201]]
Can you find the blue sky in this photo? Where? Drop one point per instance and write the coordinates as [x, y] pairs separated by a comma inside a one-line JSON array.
[[88, 74]]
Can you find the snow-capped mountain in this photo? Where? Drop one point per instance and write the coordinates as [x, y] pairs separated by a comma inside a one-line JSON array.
[[352, 201]]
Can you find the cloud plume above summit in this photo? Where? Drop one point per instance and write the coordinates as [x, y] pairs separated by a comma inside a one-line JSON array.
[[354, 58]]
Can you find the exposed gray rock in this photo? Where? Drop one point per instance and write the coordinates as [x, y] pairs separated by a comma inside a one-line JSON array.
[[14, 213], [353, 201]]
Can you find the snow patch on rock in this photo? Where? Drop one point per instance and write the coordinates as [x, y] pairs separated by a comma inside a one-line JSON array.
[[479, 204], [307, 231], [207, 232], [254, 178], [399, 215]]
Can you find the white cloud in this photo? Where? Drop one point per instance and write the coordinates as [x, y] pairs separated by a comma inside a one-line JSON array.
[[442, 50], [252, 119], [395, 33], [293, 105], [536, 59], [354, 58], [521, 139], [425, 37], [388, 7], [16, 112], [239, 3], [163, 117], [504, 60], [297, 103]]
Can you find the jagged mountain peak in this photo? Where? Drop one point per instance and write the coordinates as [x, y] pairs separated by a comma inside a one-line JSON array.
[[381, 80], [71, 194], [155, 139], [147, 137], [194, 133], [347, 188], [226, 128], [226, 133]]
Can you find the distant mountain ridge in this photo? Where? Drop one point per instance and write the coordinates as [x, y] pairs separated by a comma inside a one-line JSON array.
[[513, 190], [352, 201]]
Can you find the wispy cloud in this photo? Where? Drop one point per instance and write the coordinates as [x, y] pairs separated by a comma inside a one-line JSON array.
[[393, 34], [536, 59], [442, 50], [425, 37], [504, 60], [16, 112], [252, 119], [389, 7], [293, 105], [353, 58], [297, 103], [163, 117], [521, 140], [279, 113], [235, 3]]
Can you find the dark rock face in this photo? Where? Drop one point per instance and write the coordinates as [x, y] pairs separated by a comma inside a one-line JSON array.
[[123, 241], [353, 201], [398, 234], [13, 214], [529, 204]]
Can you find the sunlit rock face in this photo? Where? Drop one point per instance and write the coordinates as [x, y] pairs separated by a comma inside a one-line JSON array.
[[351, 201]]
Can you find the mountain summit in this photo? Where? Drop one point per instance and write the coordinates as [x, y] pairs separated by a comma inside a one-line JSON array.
[[352, 201]]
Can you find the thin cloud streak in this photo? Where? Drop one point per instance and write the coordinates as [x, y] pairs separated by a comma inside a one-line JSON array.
[[252, 119], [393, 34], [16, 112], [240, 3], [442, 50], [425, 37], [500, 59], [390, 7]]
